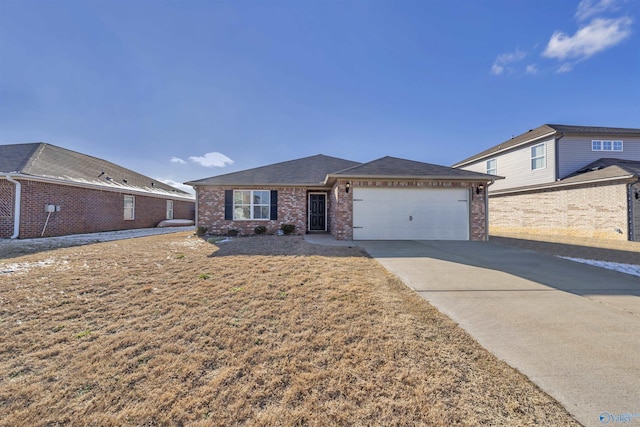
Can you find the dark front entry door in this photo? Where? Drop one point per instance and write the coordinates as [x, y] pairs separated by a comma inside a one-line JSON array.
[[317, 212]]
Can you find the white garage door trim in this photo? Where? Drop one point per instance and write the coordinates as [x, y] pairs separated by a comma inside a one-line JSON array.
[[411, 214]]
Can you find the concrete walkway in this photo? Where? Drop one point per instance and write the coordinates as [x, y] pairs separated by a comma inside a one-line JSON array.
[[573, 329]]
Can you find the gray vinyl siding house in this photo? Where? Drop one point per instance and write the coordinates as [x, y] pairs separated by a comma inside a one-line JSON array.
[[564, 180]]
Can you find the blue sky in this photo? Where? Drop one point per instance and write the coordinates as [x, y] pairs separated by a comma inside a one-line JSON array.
[[182, 90]]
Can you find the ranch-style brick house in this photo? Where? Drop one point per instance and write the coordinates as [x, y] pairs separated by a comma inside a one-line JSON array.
[[47, 191], [385, 199], [563, 180]]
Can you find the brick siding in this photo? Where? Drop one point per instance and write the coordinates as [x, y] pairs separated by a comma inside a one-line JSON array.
[[592, 211], [292, 209], [85, 210]]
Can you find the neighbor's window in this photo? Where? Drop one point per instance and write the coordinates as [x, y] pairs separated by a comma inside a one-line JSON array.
[[169, 209], [538, 157], [606, 145], [129, 207], [251, 204], [492, 167]]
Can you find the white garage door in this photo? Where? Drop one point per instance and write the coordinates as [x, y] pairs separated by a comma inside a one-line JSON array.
[[410, 214]]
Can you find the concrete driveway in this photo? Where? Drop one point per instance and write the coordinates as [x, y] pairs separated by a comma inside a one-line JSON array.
[[573, 329]]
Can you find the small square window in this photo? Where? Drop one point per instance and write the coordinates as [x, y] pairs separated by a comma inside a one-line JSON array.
[[607, 146], [596, 145], [617, 145]]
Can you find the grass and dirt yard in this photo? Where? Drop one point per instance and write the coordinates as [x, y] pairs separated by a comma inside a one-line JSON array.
[[264, 330]]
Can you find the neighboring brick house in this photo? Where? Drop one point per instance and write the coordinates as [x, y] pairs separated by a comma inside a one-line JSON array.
[[386, 199], [577, 181], [47, 191]]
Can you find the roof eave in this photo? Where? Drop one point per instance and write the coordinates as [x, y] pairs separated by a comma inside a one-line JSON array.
[[255, 184], [119, 189], [560, 184], [418, 177]]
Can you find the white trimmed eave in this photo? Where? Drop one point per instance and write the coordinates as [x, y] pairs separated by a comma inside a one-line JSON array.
[[502, 150], [332, 178], [116, 188], [554, 185], [319, 185]]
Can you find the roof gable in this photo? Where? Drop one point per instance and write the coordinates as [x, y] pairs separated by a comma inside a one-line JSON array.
[[387, 167], [49, 161], [306, 171]]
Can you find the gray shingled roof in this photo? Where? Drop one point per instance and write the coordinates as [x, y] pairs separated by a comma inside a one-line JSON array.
[[551, 129], [402, 168], [306, 171], [49, 161], [315, 170], [605, 168]]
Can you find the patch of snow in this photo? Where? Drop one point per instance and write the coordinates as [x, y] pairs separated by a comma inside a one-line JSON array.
[[175, 223], [16, 267], [623, 268], [83, 239]]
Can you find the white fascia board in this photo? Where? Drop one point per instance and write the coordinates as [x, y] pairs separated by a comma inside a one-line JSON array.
[[150, 192], [561, 185]]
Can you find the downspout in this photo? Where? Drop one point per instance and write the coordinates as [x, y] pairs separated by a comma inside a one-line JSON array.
[[486, 210], [557, 155], [195, 217], [16, 211]]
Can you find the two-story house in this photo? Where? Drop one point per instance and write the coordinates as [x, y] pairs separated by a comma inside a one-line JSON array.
[[578, 181]]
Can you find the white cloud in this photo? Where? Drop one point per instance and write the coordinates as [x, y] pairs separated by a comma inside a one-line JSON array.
[[213, 159], [589, 8], [595, 37], [500, 65], [177, 160], [189, 189], [565, 68], [532, 69]]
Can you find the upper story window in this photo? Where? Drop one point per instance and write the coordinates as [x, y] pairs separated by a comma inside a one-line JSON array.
[[129, 207], [538, 157], [492, 167], [251, 204], [606, 145]]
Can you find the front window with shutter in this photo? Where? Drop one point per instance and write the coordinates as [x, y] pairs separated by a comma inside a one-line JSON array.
[[251, 204]]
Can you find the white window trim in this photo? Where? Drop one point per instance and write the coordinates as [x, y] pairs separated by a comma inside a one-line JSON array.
[[543, 156], [129, 210], [169, 209], [495, 168], [602, 141], [251, 206]]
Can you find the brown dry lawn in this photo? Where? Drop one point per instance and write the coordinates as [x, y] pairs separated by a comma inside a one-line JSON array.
[[265, 330]]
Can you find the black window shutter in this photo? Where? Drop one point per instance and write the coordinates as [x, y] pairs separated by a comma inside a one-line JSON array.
[[228, 204], [274, 204]]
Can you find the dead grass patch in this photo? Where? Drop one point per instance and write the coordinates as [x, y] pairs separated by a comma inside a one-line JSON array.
[[280, 332]]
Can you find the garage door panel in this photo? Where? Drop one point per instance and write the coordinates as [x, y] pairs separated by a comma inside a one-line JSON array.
[[410, 214]]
